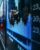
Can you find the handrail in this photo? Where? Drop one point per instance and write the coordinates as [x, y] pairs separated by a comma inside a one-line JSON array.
[[31, 40], [19, 42]]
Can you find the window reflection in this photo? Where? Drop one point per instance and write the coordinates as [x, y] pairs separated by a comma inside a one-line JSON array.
[[21, 8]]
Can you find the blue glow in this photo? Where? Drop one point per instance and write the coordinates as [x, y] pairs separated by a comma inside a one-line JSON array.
[[21, 28]]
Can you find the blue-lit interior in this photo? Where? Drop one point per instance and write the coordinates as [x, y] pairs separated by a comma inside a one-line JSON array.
[[20, 28], [24, 30]]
